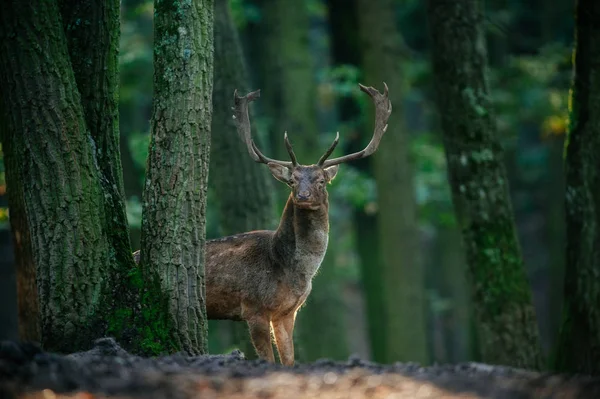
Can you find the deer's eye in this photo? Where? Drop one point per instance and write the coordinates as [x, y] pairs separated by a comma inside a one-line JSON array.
[[321, 182]]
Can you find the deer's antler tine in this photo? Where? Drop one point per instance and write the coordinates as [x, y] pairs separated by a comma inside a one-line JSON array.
[[330, 149], [242, 122], [290, 150], [263, 159], [383, 110]]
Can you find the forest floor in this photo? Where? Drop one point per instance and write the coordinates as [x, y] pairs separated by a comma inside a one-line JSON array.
[[107, 371]]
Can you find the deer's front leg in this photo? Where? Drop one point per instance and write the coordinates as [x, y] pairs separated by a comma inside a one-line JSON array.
[[283, 329], [260, 332]]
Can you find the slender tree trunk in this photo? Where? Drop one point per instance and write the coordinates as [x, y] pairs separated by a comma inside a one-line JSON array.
[[346, 49], [403, 273], [174, 204], [53, 180], [507, 328], [454, 287], [243, 187], [579, 343], [287, 65]]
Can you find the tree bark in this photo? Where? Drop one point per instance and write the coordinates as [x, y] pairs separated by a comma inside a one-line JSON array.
[[174, 200], [92, 29], [579, 343], [53, 179], [403, 274], [243, 187], [28, 307], [507, 328]]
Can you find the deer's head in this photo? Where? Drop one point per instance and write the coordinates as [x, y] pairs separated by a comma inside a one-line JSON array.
[[308, 182]]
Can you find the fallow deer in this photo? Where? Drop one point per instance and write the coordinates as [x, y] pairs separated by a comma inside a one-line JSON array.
[[263, 277]]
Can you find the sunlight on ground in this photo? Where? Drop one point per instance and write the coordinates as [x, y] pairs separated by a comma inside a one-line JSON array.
[[354, 385]]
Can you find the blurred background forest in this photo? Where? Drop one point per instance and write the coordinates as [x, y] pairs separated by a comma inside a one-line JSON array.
[[308, 60]]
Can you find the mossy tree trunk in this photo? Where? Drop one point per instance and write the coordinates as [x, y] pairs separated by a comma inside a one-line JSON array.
[[579, 342], [507, 327], [92, 29], [174, 199], [286, 64], [243, 188], [402, 270], [56, 182]]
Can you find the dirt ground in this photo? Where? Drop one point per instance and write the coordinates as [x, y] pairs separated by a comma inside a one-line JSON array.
[[107, 371]]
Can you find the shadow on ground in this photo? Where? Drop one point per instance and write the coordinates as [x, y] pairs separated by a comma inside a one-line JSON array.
[[108, 371]]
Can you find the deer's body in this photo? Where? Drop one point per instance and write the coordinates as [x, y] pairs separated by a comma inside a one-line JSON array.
[[263, 277], [266, 271]]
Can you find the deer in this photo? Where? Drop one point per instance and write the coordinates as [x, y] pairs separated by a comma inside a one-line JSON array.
[[263, 277]]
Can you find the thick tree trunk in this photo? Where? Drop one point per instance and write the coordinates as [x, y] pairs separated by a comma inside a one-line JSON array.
[[243, 188], [174, 203], [403, 274], [92, 29], [53, 179], [507, 328], [579, 346]]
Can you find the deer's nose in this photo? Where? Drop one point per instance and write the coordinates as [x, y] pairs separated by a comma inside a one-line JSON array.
[[304, 195]]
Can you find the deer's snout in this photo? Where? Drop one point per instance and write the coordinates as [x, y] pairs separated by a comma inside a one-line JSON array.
[[303, 195]]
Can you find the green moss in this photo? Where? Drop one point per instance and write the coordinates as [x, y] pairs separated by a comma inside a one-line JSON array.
[[145, 328]]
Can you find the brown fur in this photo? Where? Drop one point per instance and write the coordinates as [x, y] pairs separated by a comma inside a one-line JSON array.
[[263, 277]]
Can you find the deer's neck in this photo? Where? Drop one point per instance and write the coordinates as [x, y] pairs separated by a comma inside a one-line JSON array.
[[300, 241]]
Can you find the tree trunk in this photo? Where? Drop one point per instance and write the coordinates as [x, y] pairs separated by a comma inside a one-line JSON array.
[[242, 187], [53, 181], [92, 29], [507, 328], [174, 200], [402, 273], [454, 287], [28, 307], [579, 345], [346, 48]]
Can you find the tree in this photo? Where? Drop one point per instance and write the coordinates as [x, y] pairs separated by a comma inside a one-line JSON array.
[[243, 189], [402, 272], [579, 341], [506, 323], [174, 199], [284, 64], [58, 104], [64, 190]]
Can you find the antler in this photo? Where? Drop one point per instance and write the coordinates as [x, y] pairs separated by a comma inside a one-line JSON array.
[[383, 109], [242, 122]]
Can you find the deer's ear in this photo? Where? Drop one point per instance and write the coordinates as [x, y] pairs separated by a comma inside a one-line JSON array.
[[331, 172], [280, 172]]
